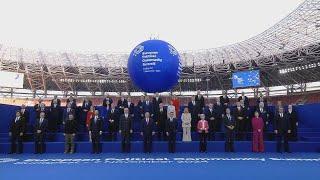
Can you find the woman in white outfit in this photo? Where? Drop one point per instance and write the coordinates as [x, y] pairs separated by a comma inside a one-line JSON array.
[[186, 125]]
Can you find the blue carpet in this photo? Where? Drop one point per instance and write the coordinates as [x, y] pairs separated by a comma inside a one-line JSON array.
[[182, 166]]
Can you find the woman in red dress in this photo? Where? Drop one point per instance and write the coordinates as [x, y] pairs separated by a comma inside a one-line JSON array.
[[257, 133], [90, 115]]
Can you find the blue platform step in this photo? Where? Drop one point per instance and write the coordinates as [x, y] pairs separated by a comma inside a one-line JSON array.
[[137, 146]]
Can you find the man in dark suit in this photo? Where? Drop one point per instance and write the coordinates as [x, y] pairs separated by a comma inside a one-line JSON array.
[[122, 103], [210, 117], [161, 118], [68, 111], [199, 101], [85, 108], [25, 115], [147, 131], [16, 133], [95, 129], [224, 100], [239, 116], [72, 101], [230, 124], [156, 100], [40, 107], [55, 100], [39, 133], [148, 107], [130, 106], [125, 130], [107, 101], [244, 98], [293, 119], [282, 129], [171, 131], [219, 112], [113, 120], [193, 109], [55, 117]]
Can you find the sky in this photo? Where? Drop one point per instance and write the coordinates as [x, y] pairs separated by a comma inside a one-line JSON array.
[[99, 26]]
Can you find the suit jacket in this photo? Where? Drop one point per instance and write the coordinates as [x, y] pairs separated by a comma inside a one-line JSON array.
[[293, 118], [263, 114], [42, 126], [229, 122], [130, 107], [224, 100], [199, 101], [17, 127], [156, 103], [282, 124], [238, 113], [245, 100], [25, 115], [125, 124], [161, 117], [219, 110], [66, 113], [96, 127], [86, 107], [147, 129], [147, 108], [105, 102], [210, 114], [73, 103], [206, 126], [58, 103], [172, 126], [39, 110], [122, 104]]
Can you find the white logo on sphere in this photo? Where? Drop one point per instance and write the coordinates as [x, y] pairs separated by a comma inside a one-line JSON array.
[[138, 50], [6, 160], [172, 50]]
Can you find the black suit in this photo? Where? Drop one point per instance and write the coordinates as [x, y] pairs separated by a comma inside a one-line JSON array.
[[147, 128], [199, 101], [224, 100], [40, 137], [114, 115], [105, 102], [122, 104], [171, 128], [16, 128], [73, 103], [96, 125], [219, 113], [229, 139], [293, 119], [245, 100], [194, 110], [282, 125], [210, 117], [25, 115], [55, 117], [240, 128], [125, 126], [39, 110], [155, 103], [161, 118]]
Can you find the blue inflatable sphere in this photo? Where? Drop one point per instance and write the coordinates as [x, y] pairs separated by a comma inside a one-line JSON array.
[[154, 66]]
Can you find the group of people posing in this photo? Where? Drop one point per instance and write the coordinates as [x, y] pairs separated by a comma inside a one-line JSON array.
[[238, 122]]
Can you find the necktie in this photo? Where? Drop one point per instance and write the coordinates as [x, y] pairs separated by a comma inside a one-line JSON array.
[[147, 121], [17, 119], [41, 121]]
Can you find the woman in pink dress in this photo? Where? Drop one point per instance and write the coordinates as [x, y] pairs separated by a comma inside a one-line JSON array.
[[257, 133]]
